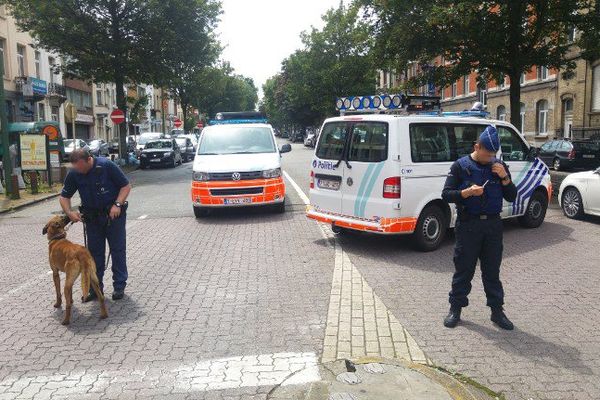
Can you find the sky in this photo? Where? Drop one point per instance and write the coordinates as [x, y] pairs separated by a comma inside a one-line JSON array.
[[259, 34]]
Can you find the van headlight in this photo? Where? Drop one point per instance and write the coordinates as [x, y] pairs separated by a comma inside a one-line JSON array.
[[200, 176], [272, 173]]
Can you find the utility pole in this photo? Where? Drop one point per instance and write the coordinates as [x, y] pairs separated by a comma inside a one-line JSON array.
[[5, 139]]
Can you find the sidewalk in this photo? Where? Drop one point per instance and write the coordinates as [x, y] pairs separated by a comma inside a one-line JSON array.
[[7, 205]]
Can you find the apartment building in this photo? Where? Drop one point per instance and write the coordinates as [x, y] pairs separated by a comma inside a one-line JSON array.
[[34, 88]]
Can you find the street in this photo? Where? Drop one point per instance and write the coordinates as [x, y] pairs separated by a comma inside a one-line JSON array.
[[227, 306]]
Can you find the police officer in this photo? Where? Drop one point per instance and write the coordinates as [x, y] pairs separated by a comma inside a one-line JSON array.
[[477, 183], [103, 189]]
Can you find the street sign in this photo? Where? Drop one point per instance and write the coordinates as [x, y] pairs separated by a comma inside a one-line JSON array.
[[178, 123], [117, 116]]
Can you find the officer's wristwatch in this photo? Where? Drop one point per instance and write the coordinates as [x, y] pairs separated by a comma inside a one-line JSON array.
[[119, 205], [505, 179]]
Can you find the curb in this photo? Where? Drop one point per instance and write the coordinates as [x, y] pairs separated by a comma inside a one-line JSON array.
[[30, 203]]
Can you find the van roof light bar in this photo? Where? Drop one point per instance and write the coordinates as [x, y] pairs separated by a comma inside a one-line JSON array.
[[393, 103], [243, 117]]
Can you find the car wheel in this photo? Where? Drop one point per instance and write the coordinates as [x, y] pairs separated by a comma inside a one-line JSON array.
[[279, 208], [536, 211], [338, 230], [572, 203], [200, 212], [431, 229], [556, 164]]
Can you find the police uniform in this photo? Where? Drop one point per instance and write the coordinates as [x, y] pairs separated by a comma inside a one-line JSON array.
[[478, 229], [98, 190]]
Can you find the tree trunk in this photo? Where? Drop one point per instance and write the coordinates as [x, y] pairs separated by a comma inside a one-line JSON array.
[[515, 100]]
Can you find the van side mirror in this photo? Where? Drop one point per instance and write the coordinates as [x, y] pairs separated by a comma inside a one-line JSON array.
[[286, 148], [533, 153]]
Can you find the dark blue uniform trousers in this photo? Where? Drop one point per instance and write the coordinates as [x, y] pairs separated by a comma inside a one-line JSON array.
[[477, 239], [99, 231]]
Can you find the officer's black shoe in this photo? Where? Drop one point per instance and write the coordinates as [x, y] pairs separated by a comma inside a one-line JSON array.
[[92, 296], [500, 319], [453, 317], [118, 294]]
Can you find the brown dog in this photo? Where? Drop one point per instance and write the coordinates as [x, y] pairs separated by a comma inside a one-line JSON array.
[[73, 260]]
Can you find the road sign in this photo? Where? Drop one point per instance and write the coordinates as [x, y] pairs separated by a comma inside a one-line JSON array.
[[178, 123], [117, 116]]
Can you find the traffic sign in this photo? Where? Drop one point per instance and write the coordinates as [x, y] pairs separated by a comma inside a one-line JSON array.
[[117, 116], [178, 123]]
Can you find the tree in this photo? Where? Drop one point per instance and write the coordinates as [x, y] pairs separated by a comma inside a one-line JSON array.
[[120, 41], [334, 61], [496, 38]]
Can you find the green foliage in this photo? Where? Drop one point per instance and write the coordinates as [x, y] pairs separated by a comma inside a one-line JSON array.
[[496, 38], [334, 61]]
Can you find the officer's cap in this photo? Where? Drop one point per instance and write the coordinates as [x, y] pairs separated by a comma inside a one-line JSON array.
[[489, 139]]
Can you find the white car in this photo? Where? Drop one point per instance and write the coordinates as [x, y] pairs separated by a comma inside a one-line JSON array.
[[580, 194]]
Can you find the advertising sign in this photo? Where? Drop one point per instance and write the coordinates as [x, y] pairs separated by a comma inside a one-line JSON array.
[[34, 154]]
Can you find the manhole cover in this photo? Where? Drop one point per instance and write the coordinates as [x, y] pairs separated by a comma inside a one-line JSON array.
[[374, 368], [350, 378], [342, 396]]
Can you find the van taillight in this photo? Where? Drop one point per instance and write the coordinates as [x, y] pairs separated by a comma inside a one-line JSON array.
[[571, 154], [391, 188], [312, 179]]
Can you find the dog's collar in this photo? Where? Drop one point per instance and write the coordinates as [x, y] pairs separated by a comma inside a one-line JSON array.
[[58, 237]]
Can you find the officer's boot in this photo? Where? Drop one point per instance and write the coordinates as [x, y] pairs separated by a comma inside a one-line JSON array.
[[500, 319], [453, 317]]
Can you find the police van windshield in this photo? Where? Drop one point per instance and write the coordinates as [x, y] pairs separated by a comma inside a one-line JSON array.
[[236, 140]]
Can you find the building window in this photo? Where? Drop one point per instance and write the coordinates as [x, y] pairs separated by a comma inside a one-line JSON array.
[[502, 83], [572, 34], [454, 89], [522, 113], [2, 47], [41, 112], [466, 84], [522, 79], [596, 89], [20, 60], [482, 96], [51, 66], [99, 97], [37, 64], [568, 105], [101, 132], [501, 113], [542, 117], [542, 73]]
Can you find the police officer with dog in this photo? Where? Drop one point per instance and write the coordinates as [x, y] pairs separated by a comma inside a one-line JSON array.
[[103, 189], [477, 184]]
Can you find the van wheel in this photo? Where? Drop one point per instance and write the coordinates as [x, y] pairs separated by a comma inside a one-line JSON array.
[[536, 211], [200, 212], [279, 208], [431, 229]]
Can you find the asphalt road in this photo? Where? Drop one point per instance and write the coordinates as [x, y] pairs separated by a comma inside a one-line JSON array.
[[249, 289]]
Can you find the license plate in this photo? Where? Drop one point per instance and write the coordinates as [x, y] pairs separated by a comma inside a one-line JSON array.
[[328, 184], [589, 156], [155, 160], [243, 200]]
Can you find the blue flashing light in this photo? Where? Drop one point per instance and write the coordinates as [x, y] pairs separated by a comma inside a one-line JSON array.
[[236, 121], [476, 114]]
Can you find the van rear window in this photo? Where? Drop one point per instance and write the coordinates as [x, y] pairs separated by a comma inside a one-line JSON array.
[[332, 140], [369, 142]]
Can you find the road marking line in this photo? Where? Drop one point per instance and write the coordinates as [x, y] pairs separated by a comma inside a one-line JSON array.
[[143, 216], [358, 322], [297, 188]]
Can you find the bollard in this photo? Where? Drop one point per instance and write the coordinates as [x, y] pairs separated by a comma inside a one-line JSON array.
[[14, 194], [33, 178]]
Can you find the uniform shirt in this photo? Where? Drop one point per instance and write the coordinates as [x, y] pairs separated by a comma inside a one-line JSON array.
[[98, 188], [478, 205]]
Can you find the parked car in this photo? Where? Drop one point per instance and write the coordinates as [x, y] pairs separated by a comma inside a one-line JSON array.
[[311, 140], [145, 138], [565, 154], [114, 145], [580, 194], [177, 132], [72, 144], [99, 148], [284, 135], [188, 151], [161, 152], [296, 136]]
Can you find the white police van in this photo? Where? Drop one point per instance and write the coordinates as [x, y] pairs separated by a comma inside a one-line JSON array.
[[378, 168]]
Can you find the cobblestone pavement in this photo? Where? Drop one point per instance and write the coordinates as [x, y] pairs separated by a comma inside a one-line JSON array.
[[221, 308], [551, 277]]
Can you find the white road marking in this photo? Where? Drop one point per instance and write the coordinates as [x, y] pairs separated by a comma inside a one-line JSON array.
[[297, 188], [143, 216], [203, 376]]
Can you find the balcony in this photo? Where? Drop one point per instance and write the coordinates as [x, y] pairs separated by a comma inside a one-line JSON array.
[[57, 94]]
